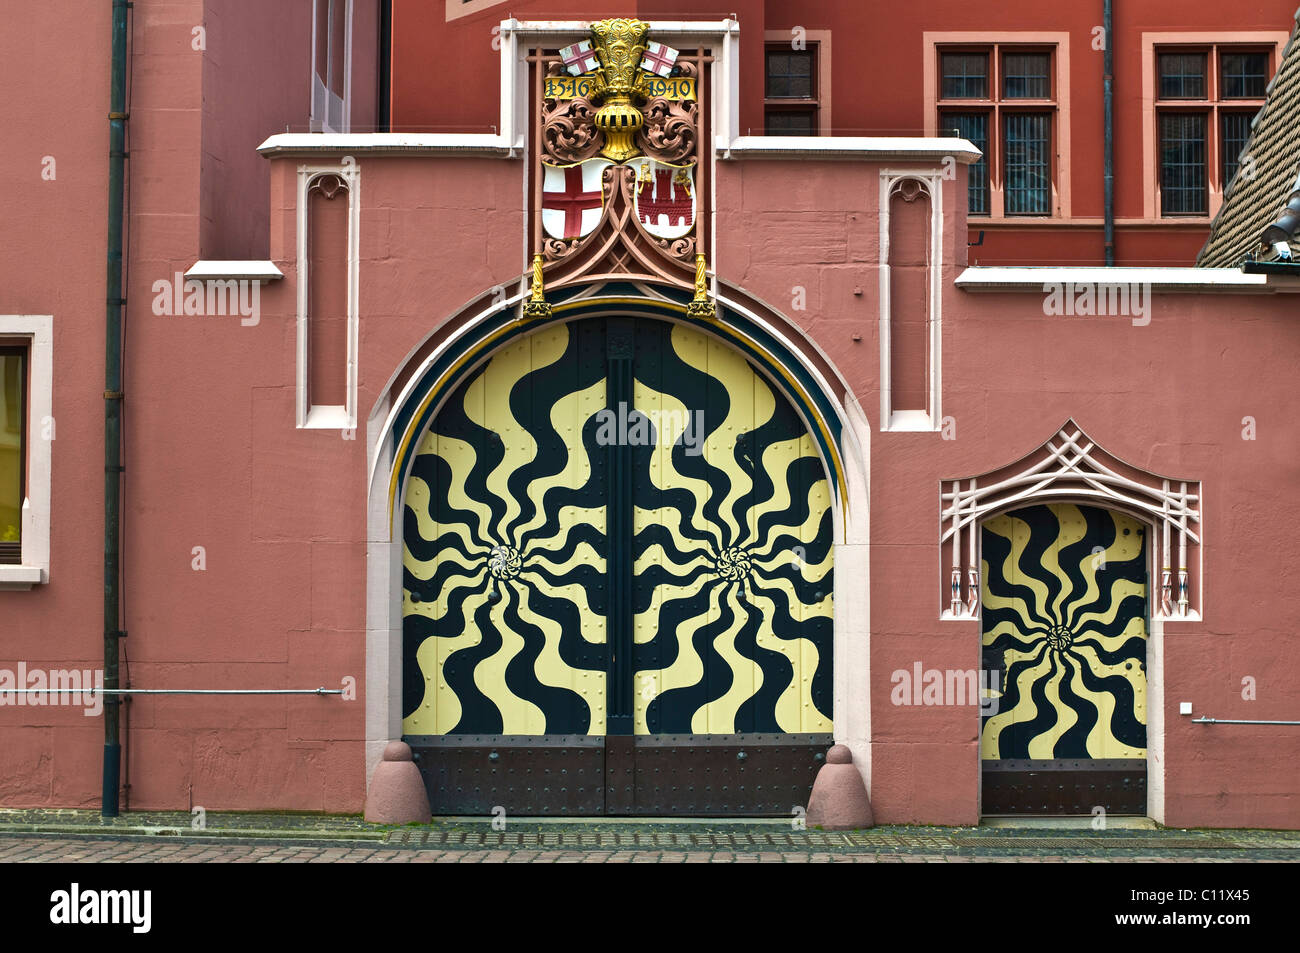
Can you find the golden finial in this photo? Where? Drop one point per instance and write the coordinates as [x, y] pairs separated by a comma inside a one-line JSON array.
[[536, 307], [702, 305]]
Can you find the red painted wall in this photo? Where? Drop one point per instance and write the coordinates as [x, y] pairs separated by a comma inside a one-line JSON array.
[[877, 65], [1012, 376], [214, 460]]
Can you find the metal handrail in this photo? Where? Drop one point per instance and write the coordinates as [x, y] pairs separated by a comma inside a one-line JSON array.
[[1205, 720]]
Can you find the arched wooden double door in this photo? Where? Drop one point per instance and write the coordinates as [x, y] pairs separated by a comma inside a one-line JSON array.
[[617, 582]]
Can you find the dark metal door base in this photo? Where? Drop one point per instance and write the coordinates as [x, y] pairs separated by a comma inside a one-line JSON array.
[[520, 775], [1070, 786], [726, 775], [619, 775]]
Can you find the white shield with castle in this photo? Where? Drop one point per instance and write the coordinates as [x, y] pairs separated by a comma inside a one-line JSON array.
[[664, 197]]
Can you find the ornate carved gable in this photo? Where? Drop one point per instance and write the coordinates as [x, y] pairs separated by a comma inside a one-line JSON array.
[[619, 171]]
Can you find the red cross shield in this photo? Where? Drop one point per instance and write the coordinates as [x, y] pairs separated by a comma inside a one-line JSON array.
[[665, 197], [572, 198]]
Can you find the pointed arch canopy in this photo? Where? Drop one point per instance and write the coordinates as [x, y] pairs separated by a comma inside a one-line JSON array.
[[1070, 466]]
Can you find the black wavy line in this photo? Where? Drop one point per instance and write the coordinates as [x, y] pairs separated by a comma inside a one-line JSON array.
[[672, 711], [758, 712], [479, 715], [819, 630], [489, 448], [534, 396], [565, 710], [1073, 743], [436, 473], [416, 629]]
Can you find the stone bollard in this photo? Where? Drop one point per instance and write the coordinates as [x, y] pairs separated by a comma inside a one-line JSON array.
[[839, 798], [397, 794]]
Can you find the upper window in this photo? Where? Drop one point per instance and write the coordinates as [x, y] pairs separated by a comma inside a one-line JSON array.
[[1002, 98], [331, 43], [13, 459], [791, 100], [1205, 99]]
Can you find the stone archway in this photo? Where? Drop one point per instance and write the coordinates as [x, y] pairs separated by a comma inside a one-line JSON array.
[[780, 355]]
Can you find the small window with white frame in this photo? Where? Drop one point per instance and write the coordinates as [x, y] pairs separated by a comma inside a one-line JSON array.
[[331, 66], [26, 439]]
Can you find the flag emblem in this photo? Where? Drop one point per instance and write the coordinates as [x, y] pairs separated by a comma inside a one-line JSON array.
[[580, 58], [573, 198], [658, 59]]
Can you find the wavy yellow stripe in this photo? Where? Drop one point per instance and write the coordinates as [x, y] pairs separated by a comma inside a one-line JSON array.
[[425, 568], [646, 624], [592, 623], [519, 716], [806, 531], [436, 609], [1021, 633], [1044, 745], [752, 404], [569, 516], [686, 669], [1136, 627], [1120, 589], [1123, 549], [663, 474], [1072, 527], [584, 554], [1101, 742], [1018, 532], [776, 460], [568, 416], [718, 717], [551, 669], [459, 457], [795, 711], [798, 610], [440, 709], [1025, 709]]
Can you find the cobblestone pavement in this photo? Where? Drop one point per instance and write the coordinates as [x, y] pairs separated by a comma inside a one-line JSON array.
[[80, 849], [83, 836]]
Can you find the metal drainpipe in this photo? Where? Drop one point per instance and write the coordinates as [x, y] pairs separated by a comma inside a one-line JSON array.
[[1108, 95], [113, 408]]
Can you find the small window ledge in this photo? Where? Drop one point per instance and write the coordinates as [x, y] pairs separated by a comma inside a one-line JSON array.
[[20, 577], [910, 421], [328, 417], [262, 271]]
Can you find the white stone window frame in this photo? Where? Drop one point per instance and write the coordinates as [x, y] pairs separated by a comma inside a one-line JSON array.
[[328, 416], [931, 418], [1071, 467], [324, 104], [34, 565]]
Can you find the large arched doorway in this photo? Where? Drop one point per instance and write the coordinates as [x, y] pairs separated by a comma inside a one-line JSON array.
[[617, 582]]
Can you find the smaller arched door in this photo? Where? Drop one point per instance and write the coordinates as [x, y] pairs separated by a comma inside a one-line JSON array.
[[1064, 622]]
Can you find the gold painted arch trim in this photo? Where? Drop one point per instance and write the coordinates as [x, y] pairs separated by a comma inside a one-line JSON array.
[[482, 350]]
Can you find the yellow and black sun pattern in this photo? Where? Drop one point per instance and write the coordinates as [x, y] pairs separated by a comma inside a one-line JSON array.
[[733, 549], [1064, 619], [506, 546]]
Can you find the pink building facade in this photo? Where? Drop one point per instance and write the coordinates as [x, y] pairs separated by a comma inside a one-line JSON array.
[[272, 450]]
